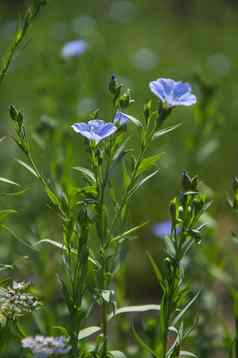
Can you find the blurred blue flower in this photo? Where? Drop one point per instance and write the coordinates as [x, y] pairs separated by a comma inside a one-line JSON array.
[[74, 49], [173, 93], [162, 228], [43, 347], [122, 11], [95, 130], [86, 105], [121, 118], [144, 59]]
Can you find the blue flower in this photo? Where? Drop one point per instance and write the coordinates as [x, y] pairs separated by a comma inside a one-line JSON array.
[[173, 93], [95, 130], [121, 118], [74, 49], [163, 229]]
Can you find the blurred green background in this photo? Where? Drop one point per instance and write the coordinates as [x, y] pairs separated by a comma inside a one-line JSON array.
[[139, 41]]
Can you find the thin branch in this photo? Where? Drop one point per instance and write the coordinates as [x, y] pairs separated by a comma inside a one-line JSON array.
[[20, 34]]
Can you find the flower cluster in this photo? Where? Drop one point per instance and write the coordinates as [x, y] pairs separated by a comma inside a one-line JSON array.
[[43, 347], [170, 92], [15, 302]]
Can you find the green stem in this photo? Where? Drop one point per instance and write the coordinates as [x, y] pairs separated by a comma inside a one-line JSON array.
[[19, 36]]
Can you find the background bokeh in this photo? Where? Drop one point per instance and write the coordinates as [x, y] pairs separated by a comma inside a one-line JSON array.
[[138, 40]]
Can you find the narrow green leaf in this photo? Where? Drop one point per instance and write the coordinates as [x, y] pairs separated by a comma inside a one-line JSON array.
[[52, 196], [129, 232], [5, 213], [134, 120], [8, 181], [141, 183], [156, 270], [2, 139], [142, 343], [87, 173], [117, 354], [28, 167], [185, 309], [134, 309], [87, 332], [148, 163], [164, 131], [62, 247], [187, 354]]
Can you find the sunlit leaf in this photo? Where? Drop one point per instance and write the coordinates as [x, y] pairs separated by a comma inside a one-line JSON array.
[[62, 247], [8, 181], [117, 354], [87, 332], [134, 309], [187, 354], [88, 174], [164, 131], [27, 167], [185, 309], [142, 182], [129, 232]]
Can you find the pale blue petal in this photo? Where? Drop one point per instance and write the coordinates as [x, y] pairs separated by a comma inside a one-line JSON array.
[[181, 88], [167, 84], [107, 130]]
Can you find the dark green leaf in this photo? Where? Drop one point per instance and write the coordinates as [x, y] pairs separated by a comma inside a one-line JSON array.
[[148, 163]]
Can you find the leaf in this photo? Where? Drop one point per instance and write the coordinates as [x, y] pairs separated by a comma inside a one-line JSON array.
[[16, 193], [148, 163], [88, 191], [134, 309], [187, 354], [141, 342], [8, 181], [5, 213], [141, 183], [184, 310], [134, 120], [129, 232], [2, 139], [87, 332], [62, 330], [87, 173], [62, 247], [164, 131], [156, 270], [117, 354], [51, 195], [120, 151], [28, 167]]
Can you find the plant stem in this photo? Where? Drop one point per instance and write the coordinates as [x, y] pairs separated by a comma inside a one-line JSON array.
[[19, 36]]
